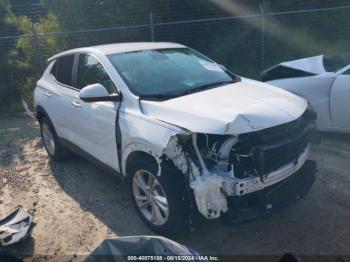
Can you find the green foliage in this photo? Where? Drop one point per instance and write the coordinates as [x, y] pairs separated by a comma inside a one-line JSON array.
[[7, 92], [27, 55]]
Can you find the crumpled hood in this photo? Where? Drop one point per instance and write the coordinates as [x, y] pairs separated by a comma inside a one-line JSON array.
[[236, 108]]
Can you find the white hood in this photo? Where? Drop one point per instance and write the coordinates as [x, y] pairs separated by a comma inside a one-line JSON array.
[[236, 108]]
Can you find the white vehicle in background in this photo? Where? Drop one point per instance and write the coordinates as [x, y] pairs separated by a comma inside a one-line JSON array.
[[184, 132], [324, 81]]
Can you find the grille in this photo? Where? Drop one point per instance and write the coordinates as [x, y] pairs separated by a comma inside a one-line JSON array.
[[264, 151], [268, 158]]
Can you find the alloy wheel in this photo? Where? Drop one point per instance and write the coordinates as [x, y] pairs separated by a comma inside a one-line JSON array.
[[150, 197], [48, 139]]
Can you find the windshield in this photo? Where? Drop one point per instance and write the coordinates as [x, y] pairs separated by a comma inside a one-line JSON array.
[[165, 73]]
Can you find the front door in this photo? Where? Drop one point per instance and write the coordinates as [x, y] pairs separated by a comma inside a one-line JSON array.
[[95, 123]]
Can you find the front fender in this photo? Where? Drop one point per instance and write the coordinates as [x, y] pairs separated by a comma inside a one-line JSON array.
[[140, 133]]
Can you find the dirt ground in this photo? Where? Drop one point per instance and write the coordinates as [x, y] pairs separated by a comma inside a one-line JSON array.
[[77, 205]]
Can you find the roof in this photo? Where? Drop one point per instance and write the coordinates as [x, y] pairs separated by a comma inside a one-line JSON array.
[[136, 46], [122, 48]]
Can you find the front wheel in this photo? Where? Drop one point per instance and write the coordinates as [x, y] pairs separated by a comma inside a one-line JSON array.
[[160, 201]]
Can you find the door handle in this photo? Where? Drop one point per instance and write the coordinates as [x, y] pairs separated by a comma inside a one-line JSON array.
[[76, 104], [47, 94]]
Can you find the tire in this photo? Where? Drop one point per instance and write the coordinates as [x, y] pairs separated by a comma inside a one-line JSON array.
[[169, 185], [50, 140]]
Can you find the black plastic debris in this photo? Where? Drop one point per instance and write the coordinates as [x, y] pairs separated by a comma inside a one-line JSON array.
[[15, 227], [132, 247]]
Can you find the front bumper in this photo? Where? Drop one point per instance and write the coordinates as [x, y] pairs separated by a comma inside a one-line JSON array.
[[272, 199], [239, 187]]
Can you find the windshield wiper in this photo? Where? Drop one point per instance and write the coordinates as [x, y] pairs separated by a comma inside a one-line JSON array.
[[187, 92], [205, 87], [158, 96]]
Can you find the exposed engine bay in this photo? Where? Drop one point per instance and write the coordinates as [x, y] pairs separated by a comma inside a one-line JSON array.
[[225, 165]]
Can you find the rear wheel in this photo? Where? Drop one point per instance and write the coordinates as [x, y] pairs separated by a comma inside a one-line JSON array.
[[160, 201], [50, 140]]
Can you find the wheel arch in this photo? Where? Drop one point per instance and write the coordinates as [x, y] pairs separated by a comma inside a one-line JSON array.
[[40, 112], [139, 154]]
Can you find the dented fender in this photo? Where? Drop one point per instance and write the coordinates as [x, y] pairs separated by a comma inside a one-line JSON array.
[[141, 133]]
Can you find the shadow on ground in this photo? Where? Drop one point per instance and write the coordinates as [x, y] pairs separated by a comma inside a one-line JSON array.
[[99, 192]]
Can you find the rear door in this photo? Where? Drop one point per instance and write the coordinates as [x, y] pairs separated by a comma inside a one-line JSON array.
[[60, 95], [94, 126], [340, 101]]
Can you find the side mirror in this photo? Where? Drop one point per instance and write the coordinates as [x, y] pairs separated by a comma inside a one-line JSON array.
[[97, 93]]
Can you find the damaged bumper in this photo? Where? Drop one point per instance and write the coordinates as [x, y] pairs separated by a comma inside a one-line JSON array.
[[239, 187], [223, 166], [272, 199]]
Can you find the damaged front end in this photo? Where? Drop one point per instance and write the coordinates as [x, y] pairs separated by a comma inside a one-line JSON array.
[[224, 166]]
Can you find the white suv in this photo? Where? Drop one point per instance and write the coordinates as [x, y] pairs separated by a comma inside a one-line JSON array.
[[186, 133]]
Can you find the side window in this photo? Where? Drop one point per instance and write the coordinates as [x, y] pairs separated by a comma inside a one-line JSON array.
[[90, 71], [63, 67]]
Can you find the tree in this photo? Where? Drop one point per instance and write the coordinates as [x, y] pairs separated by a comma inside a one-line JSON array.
[[29, 53], [8, 91]]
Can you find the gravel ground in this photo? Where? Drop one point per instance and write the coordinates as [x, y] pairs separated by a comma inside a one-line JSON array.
[[77, 205]]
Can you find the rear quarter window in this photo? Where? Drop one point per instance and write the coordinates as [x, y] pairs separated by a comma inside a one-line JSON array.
[[62, 70]]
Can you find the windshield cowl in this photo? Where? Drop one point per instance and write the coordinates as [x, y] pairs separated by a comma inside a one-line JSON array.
[[164, 97]]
